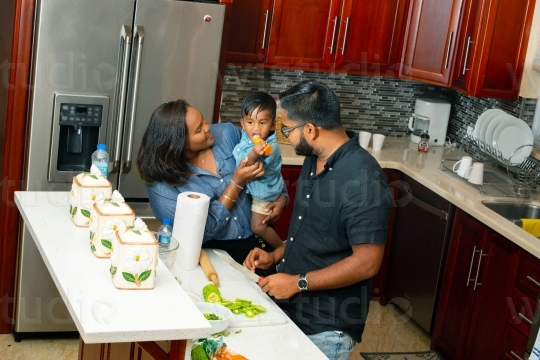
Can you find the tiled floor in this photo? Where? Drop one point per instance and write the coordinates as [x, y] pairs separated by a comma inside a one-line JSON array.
[[387, 330]]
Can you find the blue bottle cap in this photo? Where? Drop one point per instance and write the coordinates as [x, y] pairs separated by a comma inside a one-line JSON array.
[[101, 146], [167, 221]]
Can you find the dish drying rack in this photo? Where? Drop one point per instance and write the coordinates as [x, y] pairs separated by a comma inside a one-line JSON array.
[[502, 177]]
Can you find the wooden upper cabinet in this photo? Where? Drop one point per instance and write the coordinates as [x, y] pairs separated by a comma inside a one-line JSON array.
[[303, 33], [248, 30], [371, 35], [430, 41], [492, 47]]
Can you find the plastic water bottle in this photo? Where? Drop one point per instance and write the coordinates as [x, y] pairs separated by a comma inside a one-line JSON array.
[[100, 158], [165, 231]]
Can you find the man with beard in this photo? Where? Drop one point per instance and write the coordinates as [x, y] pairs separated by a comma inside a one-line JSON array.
[[338, 226]]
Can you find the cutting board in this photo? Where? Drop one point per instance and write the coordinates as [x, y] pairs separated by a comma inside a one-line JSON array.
[[231, 290]]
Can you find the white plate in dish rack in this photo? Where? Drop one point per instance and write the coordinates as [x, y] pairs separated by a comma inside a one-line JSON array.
[[509, 136], [481, 120], [486, 123], [493, 124]]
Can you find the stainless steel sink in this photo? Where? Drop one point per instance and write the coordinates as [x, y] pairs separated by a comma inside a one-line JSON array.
[[514, 211]]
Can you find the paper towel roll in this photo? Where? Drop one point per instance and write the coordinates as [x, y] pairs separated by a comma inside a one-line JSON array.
[[188, 229]]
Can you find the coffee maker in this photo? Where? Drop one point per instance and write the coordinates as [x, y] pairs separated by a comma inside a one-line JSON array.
[[431, 116], [79, 123]]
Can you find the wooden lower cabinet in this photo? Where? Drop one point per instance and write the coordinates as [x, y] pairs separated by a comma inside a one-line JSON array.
[[514, 344], [145, 350], [379, 280], [479, 277]]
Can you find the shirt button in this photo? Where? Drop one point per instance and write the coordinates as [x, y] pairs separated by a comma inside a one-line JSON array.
[[239, 237], [292, 239], [310, 174], [221, 180], [227, 218], [235, 218], [307, 196], [330, 169], [282, 260], [300, 218]]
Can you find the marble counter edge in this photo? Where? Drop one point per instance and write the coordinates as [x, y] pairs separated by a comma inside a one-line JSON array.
[[447, 186]]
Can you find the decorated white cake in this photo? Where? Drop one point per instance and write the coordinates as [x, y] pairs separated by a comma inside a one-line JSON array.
[[134, 257], [87, 189], [107, 217]]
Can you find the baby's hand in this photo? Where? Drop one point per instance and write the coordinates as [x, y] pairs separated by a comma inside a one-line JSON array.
[[262, 147]]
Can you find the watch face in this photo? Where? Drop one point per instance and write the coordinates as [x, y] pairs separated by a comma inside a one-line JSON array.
[[302, 284]]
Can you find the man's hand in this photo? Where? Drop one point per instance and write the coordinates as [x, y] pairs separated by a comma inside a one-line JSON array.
[[258, 258], [280, 286]]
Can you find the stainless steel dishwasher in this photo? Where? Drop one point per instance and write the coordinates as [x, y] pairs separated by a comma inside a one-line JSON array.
[[418, 251]]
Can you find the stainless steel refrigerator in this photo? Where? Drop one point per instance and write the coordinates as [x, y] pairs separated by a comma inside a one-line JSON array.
[[100, 68]]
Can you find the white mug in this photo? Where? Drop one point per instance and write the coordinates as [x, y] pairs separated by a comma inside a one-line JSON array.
[[378, 140], [364, 138], [465, 165], [476, 175]]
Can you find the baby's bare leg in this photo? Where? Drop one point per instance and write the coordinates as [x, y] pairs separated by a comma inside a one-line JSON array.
[[264, 231]]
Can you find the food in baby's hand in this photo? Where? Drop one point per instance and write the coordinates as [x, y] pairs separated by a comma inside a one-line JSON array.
[[267, 148]]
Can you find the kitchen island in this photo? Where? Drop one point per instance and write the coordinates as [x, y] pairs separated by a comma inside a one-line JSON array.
[[166, 314]]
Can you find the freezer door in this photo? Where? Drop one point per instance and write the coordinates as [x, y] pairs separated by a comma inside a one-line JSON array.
[[175, 55], [76, 52]]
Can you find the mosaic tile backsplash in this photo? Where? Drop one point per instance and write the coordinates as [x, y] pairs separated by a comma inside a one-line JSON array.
[[372, 103]]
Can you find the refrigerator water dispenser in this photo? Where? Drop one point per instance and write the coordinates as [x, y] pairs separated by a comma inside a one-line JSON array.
[[79, 124]]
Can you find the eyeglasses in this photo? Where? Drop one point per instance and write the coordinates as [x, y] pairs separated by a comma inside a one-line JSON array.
[[286, 130]]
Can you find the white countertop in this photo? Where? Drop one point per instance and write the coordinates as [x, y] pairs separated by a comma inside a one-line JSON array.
[[104, 314], [101, 312], [401, 154]]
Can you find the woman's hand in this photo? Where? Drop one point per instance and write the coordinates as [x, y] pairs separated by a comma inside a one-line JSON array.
[[245, 173], [275, 208]]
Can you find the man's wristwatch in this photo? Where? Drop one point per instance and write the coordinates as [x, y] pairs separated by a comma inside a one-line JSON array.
[[302, 282]]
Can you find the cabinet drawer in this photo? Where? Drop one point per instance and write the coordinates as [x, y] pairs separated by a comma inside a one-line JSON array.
[[521, 311], [514, 344], [528, 279]]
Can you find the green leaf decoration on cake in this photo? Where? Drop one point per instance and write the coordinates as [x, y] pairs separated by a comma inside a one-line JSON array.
[[92, 234], [93, 248], [115, 204], [129, 277], [85, 213], [145, 275], [72, 210], [112, 270], [106, 243], [137, 232], [130, 227]]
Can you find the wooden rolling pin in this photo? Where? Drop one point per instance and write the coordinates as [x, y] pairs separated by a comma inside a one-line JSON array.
[[208, 268]]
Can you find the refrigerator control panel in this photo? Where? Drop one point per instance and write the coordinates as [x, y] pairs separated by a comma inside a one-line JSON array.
[[80, 114]]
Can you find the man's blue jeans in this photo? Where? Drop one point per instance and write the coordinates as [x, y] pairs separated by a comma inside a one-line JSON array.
[[335, 345]]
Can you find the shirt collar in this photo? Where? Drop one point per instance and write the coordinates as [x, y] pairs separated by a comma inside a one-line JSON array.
[[348, 147]]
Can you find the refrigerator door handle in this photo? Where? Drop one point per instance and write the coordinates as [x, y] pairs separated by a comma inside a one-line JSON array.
[[126, 35], [139, 33]]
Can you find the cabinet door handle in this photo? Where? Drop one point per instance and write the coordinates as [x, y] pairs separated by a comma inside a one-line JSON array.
[[476, 283], [345, 36], [533, 281], [265, 28], [516, 355], [333, 36], [469, 42], [525, 318], [448, 50], [470, 267]]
